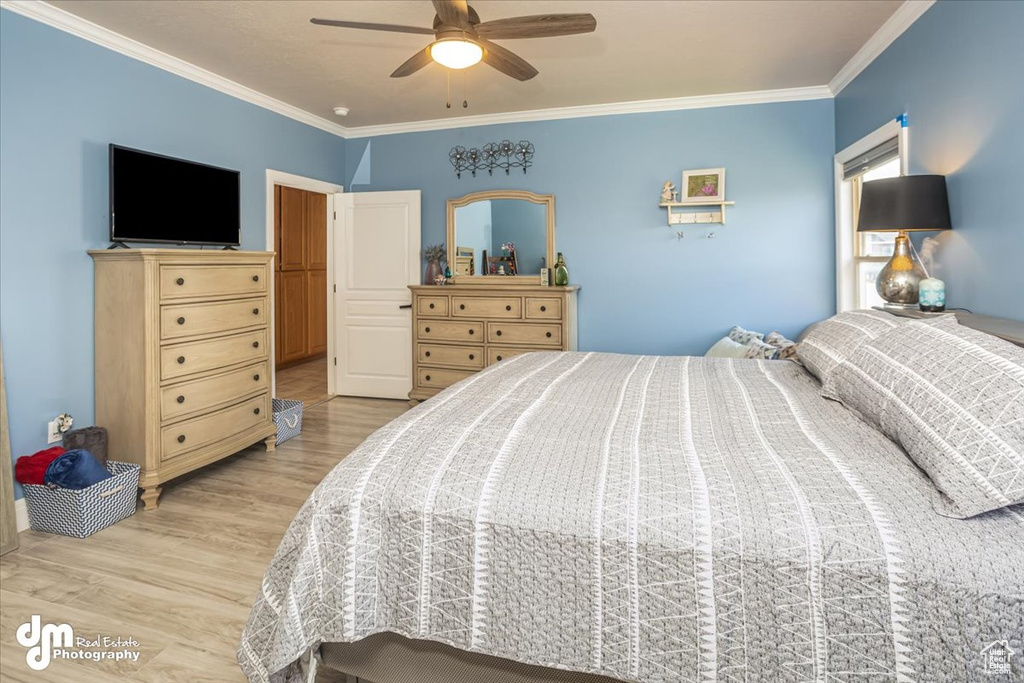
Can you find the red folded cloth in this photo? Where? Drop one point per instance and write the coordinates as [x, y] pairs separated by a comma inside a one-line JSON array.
[[30, 469]]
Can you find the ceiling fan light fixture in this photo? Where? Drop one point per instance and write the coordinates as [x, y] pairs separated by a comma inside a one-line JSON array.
[[456, 53]]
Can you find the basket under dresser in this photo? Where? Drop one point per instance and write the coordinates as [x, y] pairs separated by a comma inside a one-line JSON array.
[[182, 364], [459, 330]]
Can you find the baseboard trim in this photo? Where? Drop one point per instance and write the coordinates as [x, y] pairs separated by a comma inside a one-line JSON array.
[[21, 515]]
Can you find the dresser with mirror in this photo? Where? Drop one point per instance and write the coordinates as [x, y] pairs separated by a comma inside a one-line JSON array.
[[496, 306]]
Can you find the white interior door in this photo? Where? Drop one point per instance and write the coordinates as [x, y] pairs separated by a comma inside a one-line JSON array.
[[376, 258]]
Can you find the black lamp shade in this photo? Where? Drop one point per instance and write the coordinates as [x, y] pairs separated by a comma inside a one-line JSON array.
[[911, 202]]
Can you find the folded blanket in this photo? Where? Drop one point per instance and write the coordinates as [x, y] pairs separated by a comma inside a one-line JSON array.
[[31, 469], [76, 470]]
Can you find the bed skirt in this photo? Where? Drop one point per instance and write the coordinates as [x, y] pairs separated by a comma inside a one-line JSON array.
[[391, 658]]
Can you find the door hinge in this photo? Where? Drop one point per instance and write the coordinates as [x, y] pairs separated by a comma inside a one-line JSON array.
[[335, 215], [335, 360], [335, 289]]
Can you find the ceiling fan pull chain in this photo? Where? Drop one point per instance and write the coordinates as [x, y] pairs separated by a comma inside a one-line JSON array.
[[465, 102], [448, 81]]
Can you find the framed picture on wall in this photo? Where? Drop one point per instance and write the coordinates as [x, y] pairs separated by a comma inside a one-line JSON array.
[[704, 185]]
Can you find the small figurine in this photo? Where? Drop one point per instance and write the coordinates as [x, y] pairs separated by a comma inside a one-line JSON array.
[[668, 192]]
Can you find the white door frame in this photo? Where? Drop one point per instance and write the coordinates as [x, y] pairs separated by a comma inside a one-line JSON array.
[[845, 229], [313, 185]]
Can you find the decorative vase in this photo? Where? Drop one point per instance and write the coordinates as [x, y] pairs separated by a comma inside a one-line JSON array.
[[433, 270], [561, 272]]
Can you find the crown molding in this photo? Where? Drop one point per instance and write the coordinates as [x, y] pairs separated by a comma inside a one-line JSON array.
[[907, 13], [62, 20], [814, 92], [94, 33]]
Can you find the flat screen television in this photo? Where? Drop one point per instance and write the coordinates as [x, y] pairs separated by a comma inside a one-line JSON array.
[[154, 198]]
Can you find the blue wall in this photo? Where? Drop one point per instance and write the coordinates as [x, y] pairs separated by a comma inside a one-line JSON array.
[[62, 100], [958, 71], [772, 266]]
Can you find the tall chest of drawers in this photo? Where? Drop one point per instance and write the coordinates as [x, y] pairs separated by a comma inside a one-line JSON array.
[[182, 365], [461, 329]]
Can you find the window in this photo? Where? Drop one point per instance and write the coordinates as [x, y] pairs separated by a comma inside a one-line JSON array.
[[871, 250], [860, 256]]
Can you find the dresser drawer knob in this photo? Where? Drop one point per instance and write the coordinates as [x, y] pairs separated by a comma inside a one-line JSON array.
[[543, 308], [462, 307], [181, 399], [181, 360], [427, 354], [499, 357], [256, 377], [181, 438], [255, 311], [498, 333], [474, 332], [427, 378], [431, 306], [508, 308], [549, 335], [256, 344], [471, 356], [426, 329], [181, 321], [256, 411], [255, 278], [180, 281]]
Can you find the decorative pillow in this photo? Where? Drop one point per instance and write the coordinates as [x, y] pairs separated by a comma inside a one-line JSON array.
[[833, 340], [727, 348], [953, 397], [786, 347], [742, 336], [759, 349]]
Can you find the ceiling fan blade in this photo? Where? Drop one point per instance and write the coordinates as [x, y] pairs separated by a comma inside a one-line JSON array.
[[537, 26], [453, 12], [394, 28], [506, 61], [413, 64]]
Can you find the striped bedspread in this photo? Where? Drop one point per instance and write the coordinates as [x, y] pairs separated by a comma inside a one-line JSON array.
[[650, 519]]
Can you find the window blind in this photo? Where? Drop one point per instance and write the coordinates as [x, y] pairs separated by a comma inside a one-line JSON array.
[[887, 151]]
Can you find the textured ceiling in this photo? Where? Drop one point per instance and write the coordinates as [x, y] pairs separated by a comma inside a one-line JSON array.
[[641, 50]]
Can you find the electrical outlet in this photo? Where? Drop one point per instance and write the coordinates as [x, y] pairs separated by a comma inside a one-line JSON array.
[[52, 432]]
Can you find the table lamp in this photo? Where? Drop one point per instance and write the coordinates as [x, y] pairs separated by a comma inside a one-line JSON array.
[[910, 202]]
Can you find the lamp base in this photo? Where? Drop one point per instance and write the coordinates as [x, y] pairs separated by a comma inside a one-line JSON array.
[[898, 281]]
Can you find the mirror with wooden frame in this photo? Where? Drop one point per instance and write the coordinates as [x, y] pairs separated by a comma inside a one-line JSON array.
[[500, 237]]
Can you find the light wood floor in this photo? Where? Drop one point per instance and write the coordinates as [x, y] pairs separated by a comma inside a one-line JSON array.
[[306, 382], [181, 579]]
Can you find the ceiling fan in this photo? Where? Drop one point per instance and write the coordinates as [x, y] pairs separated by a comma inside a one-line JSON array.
[[460, 40]]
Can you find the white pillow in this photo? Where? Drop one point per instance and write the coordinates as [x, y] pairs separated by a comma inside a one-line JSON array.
[[727, 348]]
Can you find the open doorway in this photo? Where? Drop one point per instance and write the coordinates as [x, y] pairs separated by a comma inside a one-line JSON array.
[[299, 212]]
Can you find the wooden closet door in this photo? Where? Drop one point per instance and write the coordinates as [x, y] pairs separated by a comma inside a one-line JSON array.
[[316, 285], [316, 231], [292, 318], [292, 232]]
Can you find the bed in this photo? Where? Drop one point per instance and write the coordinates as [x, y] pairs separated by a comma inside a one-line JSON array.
[[640, 518]]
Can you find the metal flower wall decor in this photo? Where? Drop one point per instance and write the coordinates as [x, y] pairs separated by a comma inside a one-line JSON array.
[[504, 155]]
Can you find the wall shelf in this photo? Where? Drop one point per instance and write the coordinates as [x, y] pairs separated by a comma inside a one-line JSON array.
[[695, 217]]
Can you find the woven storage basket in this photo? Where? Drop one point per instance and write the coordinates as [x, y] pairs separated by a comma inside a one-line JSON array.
[[82, 512], [287, 418]]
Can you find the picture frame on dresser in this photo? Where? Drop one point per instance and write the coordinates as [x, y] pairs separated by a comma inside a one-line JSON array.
[[182, 372]]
